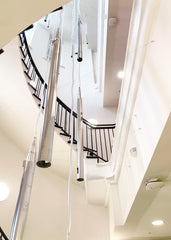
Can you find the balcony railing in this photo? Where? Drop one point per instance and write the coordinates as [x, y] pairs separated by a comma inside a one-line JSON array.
[[2, 235], [97, 139]]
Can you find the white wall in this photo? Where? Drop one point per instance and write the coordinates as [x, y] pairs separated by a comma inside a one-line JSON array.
[[11, 166], [91, 96], [18, 15], [47, 216], [101, 41], [145, 102]]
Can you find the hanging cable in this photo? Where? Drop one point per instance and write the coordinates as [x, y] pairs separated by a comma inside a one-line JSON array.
[[71, 122], [60, 27], [45, 18], [86, 33], [79, 33], [78, 9], [71, 150], [40, 110], [79, 77]]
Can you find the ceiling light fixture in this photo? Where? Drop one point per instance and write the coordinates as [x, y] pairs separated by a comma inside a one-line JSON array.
[[120, 74], [93, 121], [158, 222], [4, 191]]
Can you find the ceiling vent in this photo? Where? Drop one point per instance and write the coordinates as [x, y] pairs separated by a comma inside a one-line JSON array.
[[113, 21]]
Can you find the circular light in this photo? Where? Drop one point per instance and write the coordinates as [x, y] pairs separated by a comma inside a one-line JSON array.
[[120, 74], [4, 191], [93, 121], [158, 222]]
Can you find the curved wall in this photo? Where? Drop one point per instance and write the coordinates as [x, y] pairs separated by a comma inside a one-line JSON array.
[[19, 14]]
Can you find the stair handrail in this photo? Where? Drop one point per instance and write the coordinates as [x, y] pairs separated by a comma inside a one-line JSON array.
[[98, 137], [3, 235]]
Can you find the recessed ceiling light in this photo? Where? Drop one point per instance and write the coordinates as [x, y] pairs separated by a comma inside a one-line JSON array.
[[93, 121], [158, 222], [120, 74], [4, 191]]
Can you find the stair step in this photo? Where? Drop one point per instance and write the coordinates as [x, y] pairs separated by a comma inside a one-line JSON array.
[[30, 85], [27, 75], [22, 51], [36, 96], [25, 65]]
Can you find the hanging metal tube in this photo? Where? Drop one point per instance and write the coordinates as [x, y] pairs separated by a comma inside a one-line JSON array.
[[80, 155], [21, 210], [47, 135], [45, 19], [79, 39]]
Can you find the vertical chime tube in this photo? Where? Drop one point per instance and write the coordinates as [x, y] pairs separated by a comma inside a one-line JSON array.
[[80, 155], [21, 210], [45, 19], [47, 135], [86, 34], [79, 37]]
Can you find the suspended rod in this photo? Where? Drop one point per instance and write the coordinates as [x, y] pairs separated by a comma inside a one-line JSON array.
[[22, 206], [47, 135], [45, 18], [79, 40], [80, 155]]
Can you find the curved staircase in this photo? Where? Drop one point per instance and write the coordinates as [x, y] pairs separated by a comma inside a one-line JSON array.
[[97, 140]]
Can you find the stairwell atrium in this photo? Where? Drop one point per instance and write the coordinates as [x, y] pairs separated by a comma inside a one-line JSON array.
[[126, 192]]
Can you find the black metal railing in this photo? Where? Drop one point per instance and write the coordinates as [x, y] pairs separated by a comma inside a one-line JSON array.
[[97, 138], [2, 235]]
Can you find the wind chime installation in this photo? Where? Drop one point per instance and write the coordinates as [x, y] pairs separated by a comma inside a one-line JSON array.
[[47, 135], [21, 210], [47, 132], [80, 156], [45, 149]]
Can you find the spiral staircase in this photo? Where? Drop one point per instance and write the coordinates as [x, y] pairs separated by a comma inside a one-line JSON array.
[[97, 138], [142, 143]]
